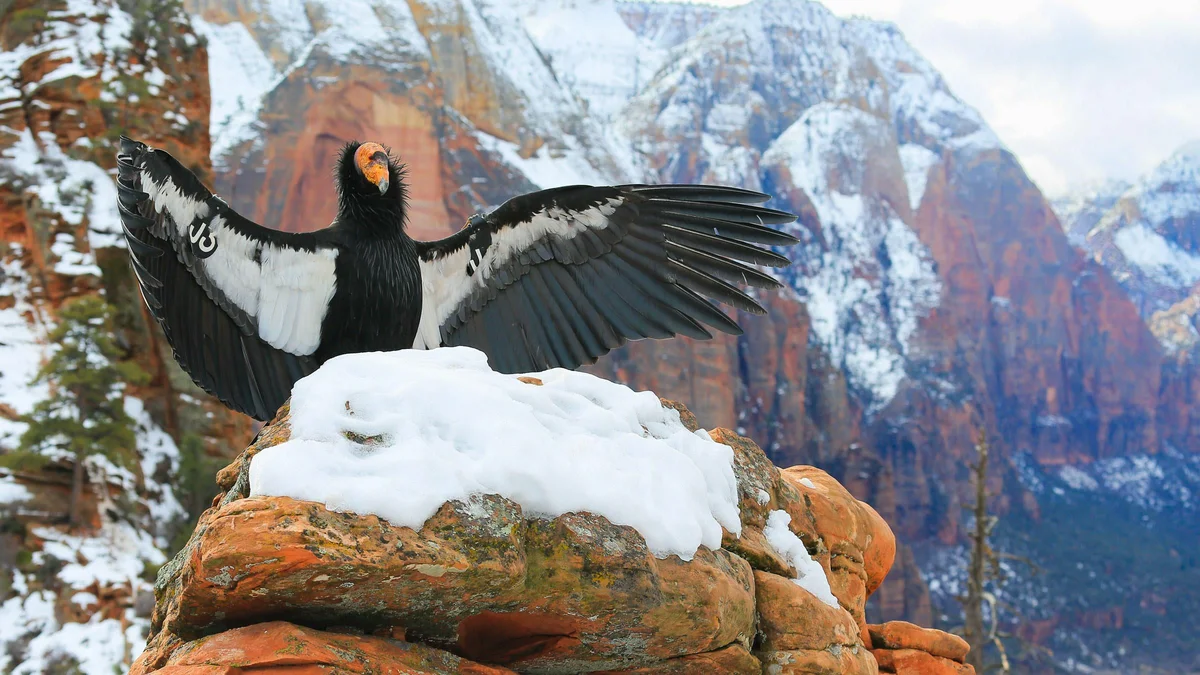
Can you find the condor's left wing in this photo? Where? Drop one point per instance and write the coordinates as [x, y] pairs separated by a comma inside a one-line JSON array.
[[557, 278], [241, 305]]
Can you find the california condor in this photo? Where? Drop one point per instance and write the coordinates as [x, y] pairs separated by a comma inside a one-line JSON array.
[[554, 278]]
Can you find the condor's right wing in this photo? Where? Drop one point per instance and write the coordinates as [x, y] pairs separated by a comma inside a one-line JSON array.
[[240, 304]]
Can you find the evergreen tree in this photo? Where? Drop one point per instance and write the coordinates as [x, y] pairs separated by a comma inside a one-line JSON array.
[[85, 412]]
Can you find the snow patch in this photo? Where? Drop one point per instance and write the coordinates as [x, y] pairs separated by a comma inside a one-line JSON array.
[[546, 168], [244, 74], [1157, 257], [1172, 189], [868, 280], [21, 351], [1077, 479], [917, 161], [597, 55], [810, 575], [77, 190], [444, 426]]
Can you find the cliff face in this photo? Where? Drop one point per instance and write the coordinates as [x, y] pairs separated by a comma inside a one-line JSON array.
[[1146, 234]]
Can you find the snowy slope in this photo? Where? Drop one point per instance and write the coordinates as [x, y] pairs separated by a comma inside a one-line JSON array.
[[54, 617], [1081, 208], [842, 274], [786, 84], [1147, 234]]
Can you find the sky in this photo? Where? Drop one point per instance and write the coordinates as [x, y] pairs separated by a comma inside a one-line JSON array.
[[1080, 90]]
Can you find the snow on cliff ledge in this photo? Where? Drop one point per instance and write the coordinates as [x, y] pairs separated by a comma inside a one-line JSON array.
[[440, 425]]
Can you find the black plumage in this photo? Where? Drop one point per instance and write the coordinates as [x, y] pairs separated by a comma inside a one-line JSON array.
[[554, 278]]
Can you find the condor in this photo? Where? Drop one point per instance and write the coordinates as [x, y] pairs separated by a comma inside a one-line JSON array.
[[554, 278]]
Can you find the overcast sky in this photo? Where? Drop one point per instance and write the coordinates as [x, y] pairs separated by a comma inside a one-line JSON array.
[[1080, 90]]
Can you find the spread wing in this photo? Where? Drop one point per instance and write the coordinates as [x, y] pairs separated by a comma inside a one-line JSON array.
[[557, 278], [241, 305]]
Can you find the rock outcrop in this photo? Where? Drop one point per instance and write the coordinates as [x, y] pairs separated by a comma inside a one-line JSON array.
[[276, 583], [902, 648]]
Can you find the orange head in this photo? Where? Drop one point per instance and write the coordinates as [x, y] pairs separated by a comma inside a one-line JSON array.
[[371, 160]]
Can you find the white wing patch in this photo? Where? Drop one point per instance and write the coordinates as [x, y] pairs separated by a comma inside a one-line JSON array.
[[296, 287], [445, 282], [287, 291], [232, 266], [182, 208]]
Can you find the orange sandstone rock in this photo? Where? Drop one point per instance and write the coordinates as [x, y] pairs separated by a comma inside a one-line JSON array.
[[855, 546], [904, 635], [835, 661], [916, 662], [287, 648], [503, 589], [732, 660], [483, 583], [791, 618]]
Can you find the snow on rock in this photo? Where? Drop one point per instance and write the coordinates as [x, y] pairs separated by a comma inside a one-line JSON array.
[[1081, 207], [667, 24], [156, 448], [12, 492], [1172, 189], [565, 166], [94, 29], [811, 576], [246, 65], [864, 307], [116, 556], [917, 161], [917, 94], [398, 434], [599, 57], [1157, 483], [246, 75], [1143, 235], [21, 352], [1158, 258], [77, 190]]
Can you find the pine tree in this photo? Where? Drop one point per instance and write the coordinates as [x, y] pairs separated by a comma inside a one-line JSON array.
[[84, 415]]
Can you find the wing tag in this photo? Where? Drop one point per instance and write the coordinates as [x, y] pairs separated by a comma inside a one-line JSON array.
[[204, 243], [200, 234], [477, 244]]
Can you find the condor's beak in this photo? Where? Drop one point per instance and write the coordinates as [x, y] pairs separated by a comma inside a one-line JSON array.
[[372, 162]]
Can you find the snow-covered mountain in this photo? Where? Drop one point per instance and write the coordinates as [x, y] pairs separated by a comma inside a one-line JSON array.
[[1081, 208], [1148, 235]]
